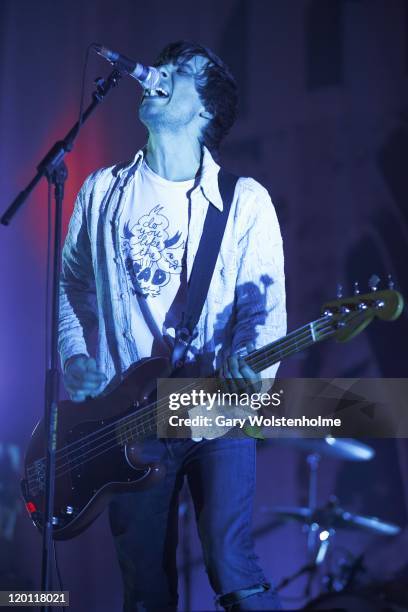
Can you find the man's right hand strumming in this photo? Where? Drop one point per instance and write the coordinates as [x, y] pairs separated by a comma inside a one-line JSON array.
[[82, 378]]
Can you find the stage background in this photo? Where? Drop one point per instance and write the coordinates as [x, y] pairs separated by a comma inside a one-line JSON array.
[[323, 124]]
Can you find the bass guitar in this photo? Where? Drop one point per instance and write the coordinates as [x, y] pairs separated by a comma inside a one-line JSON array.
[[99, 441]]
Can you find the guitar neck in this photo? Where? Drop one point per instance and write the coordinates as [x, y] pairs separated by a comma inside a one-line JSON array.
[[296, 341], [140, 424]]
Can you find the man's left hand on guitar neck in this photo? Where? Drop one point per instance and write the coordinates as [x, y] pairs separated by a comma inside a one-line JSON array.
[[238, 375]]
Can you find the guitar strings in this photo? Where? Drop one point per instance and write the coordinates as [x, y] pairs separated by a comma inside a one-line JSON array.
[[297, 346], [152, 420], [138, 415], [90, 454], [147, 409], [84, 459], [299, 343]]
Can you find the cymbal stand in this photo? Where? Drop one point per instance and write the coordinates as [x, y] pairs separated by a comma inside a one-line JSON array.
[[313, 461]]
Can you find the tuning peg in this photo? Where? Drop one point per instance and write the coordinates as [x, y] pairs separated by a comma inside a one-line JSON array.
[[339, 291], [373, 282], [356, 288], [390, 282]]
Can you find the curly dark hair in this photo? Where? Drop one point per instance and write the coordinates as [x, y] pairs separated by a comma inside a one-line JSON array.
[[215, 85]]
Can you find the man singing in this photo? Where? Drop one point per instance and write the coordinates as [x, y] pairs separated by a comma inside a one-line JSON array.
[[127, 259]]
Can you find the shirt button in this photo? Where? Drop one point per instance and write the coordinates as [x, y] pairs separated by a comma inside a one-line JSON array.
[[121, 295], [115, 260]]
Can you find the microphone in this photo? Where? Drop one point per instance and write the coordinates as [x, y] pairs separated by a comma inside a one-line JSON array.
[[147, 76]]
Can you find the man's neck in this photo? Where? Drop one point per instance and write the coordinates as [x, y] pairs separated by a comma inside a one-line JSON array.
[[173, 159]]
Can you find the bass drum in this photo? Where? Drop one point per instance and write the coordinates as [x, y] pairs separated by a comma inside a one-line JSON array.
[[354, 602]]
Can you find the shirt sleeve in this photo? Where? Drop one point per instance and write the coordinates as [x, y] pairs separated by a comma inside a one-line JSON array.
[[260, 288], [78, 312]]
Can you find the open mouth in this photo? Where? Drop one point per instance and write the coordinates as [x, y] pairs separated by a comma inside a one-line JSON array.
[[159, 92]]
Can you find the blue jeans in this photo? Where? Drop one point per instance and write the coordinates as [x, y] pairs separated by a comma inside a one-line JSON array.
[[221, 478]]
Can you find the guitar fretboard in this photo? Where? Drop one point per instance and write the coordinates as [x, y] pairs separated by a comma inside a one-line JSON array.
[[145, 421], [294, 342]]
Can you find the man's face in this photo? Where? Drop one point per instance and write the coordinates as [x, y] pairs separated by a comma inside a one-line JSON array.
[[175, 103]]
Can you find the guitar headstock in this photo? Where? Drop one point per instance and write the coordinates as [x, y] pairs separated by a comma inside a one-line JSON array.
[[350, 315]]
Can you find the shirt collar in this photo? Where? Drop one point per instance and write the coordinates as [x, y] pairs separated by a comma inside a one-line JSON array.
[[208, 180]]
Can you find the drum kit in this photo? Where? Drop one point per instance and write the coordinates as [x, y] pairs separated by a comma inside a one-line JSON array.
[[341, 589]]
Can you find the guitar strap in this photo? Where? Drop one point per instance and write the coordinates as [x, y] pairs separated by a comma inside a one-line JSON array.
[[203, 267]]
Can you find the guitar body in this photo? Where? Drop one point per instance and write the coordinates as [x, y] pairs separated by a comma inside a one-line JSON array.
[[91, 462]]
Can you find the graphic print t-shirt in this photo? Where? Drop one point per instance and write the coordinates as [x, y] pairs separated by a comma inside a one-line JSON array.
[[154, 227]]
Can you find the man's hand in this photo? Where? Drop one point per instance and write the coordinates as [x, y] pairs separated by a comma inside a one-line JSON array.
[[82, 378], [239, 377]]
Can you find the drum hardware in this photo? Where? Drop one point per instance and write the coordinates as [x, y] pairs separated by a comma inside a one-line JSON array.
[[388, 596], [345, 577], [338, 448], [333, 517], [322, 523]]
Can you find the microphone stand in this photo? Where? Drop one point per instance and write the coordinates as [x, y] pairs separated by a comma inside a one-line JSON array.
[[54, 169]]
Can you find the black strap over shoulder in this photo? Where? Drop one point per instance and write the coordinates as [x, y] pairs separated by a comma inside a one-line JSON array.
[[208, 250], [204, 264]]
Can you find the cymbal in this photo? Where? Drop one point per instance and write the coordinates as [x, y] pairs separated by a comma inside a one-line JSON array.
[[334, 517], [340, 448]]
